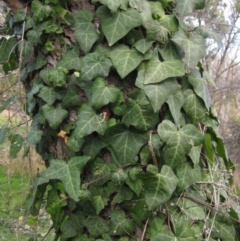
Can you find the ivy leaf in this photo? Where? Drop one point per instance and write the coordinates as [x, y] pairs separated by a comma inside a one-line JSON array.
[[55, 77], [92, 146], [86, 35], [136, 185], [71, 98], [200, 87], [179, 142], [98, 203], [184, 7], [169, 52], [195, 154], [187, 176], [170, 22], [113, 5], [6, 47], [192, 210], [175, 103], [7, 103], [193, 46], [83, 15], [125, 143], [119, 224], [54, 116], [157, 93], [143, 45], [48, 95], [88, 122], [40, 12], [34, 36], [71, 60], [103, 94], [139, 113], [67, 173], [16, 144], [137, 4], [158, 71], [223, 231], [4, 132], [159, 187], [119, 177], [34, 136], [95, 65], [193, 107], [122, 21], [96, 225], [125, 60], [123, 194]]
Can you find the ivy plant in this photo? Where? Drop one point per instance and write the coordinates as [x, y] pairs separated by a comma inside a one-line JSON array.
[[122, 117]]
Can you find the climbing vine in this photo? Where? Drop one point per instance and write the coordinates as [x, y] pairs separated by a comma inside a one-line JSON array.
[[122, 117]]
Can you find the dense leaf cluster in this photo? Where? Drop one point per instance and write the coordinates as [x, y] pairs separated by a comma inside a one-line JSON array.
[[122, 117]]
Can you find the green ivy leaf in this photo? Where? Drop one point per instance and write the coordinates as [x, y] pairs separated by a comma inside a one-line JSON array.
[[92, 146], [179, 142], [7, 103], [98, 203], [71, 98], [125, 143], [158, 71], [137, 4], [125, 60], [143, 45], [175, 103], [169, 52], [157, 93], [96, 225], [67, 173], [4, 132], [119, 177], [71, 60], [184, 7], [103, 94], [119, 224], [40, 12], [123, 194], [187, 175], [75, 144], [95, 65], [16, 144], [34, 36], [54, 116], [159, 187], [193, 46], [88, 122], [136, 185], [193, 107], [34, 136], [157, 9], [55, 77], [195, 154], [139, 113], [6, 48], [113, 5], [122, 21], [48, 95], [170, 22], [19, 16], [200, 87]]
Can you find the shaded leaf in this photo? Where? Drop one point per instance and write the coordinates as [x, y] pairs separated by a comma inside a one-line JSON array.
[[55, 77], [67, 173], [96, 225], [40, 11], [6, 48], [123, 194], [193, 46], [169, 52], [122, 21], [4, 132], [98, 203], [7, 103], [34, 136], [48, 95], [16, 144], [113, 5], [195, 154], [54, 116], [71, 98], [125, 143]]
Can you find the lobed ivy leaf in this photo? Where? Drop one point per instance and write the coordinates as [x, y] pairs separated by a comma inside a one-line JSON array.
[[122, 21], [71, 98], [125, 143], [67, 173], [185, 7], [193, 107], [170, 22], [187, 175], [16, 144], [98, 203], [139, 113], [123, 194], [88, 122], [175, 103], [124, 59], [200, 87], [157, 9], [119, 224], [137, 4], [71, 60], [169, 52], [48, 95], [146, 13], [95, 65], [96, 225], [158, 71], [34, 136], [179, 142], [103, 94], [34, 36], [113, 5], [54, 116], [159, 187], [40, 11], [55, 77], [119, 177], [143, 45], [85, 15], [157, 93], [192, 45]]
